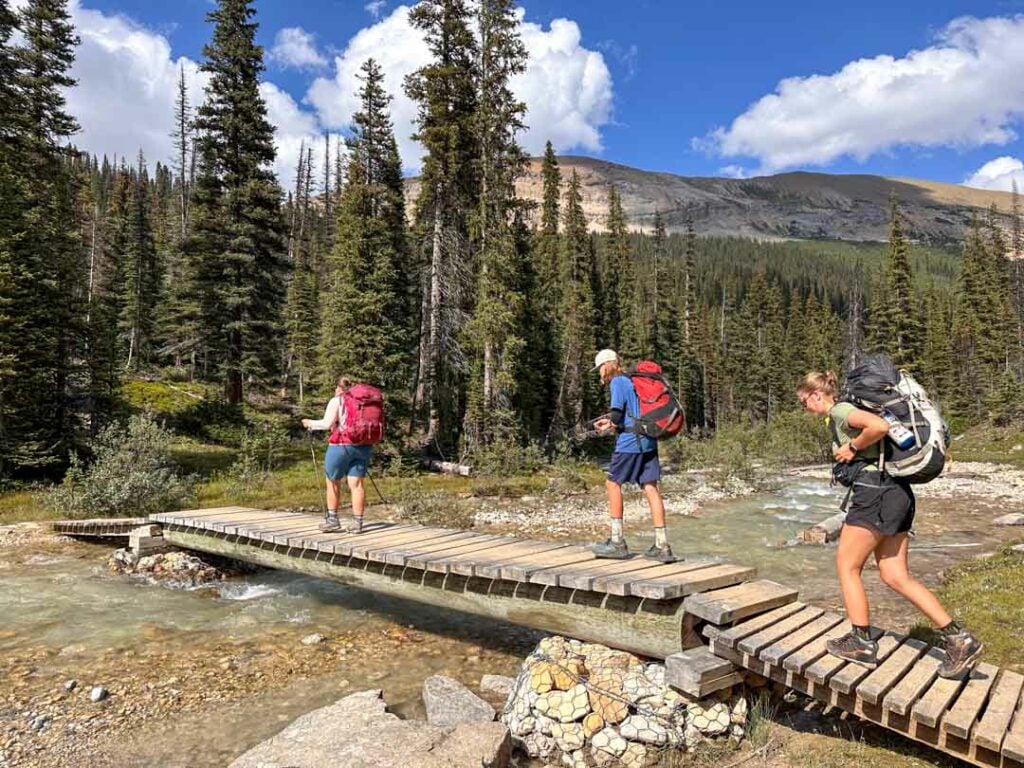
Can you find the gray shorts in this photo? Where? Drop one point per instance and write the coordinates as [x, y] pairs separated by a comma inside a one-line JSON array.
[[881, 503]]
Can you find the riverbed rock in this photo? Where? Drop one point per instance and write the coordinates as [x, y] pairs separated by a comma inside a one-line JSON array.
[[98, 694], [358, 732], [499, 684], [70, 685], [449, 703], [314, 639], [173, 567], [1014, 518]]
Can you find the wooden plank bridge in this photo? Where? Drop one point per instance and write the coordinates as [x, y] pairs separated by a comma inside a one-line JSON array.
[[662, 611]]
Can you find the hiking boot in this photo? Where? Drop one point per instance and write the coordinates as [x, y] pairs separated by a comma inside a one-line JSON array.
[[662, 554], [962, 652], [854, 648], [330, 524], [611, 550], [351, 525]]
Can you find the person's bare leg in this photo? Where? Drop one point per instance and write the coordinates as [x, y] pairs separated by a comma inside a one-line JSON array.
[[333, 494], [614, 491], [855, 545], [616, 546], [355, 487], [656, 503], [891, 556]]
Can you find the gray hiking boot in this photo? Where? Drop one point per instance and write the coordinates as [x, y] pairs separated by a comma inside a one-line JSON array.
[[611, 550], [854, 648], [962, 652], [662, 554], [330, 524], [351, 525]]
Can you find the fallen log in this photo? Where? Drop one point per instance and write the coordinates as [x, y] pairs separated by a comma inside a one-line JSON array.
[[825, 531], [448, 467]]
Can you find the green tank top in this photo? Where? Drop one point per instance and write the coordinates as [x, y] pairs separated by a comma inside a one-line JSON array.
[[839, 415]]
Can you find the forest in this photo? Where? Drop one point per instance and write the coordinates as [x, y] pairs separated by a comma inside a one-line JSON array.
[[477, 312]]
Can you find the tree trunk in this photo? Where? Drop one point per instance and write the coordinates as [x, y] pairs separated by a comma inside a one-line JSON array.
[[434, 350]]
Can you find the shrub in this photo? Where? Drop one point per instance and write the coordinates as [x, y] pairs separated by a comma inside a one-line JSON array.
[[132, 474], [260, 453]]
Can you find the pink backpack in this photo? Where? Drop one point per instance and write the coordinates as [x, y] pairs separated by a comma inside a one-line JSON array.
[[364, 417]]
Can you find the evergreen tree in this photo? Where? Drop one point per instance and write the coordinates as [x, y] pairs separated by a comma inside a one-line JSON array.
[[545, 298], [142, 274], [1017, 254], [577, 313], [449, 184], [302, 308], [236, 241], [902, 321], [665, 332], [496, 333], [365, 322], [615, 273]]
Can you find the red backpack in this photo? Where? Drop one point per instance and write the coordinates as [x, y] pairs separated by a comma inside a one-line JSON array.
[[661, 415], [364, 417]]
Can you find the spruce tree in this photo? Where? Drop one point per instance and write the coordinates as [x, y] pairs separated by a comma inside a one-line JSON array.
[[546, 297], [302, 307], [1017, 254], [496, 333], [615, 268], [236, 243], [365, 322], [903, 323], [446, 92], [665, 333], [142, 274]]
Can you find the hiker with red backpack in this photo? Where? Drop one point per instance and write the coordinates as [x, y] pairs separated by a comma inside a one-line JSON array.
[[639, 419], [355, 419]]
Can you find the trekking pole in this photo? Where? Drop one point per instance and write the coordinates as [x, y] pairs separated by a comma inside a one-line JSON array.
[[379, 494], [316, 474]]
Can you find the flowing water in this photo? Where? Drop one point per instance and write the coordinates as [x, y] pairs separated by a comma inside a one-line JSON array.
[[62, 605]]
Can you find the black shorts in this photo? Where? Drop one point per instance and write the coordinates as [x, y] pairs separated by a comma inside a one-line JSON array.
[[639, 468], [881, 503]]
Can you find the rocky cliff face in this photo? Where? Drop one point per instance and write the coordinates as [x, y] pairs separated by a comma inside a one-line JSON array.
[[790, 205]]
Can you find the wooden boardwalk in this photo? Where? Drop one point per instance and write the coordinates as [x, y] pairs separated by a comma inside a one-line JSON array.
[[99, 527], [639, 605]]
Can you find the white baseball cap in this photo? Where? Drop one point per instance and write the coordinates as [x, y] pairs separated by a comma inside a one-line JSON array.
[[604, 356]]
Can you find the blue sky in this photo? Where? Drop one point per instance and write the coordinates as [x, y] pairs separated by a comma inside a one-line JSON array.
[[676, 72]]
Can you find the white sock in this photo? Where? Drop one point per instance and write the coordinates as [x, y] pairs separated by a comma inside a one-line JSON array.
[[616, 529], [660, 537], [332, 514]]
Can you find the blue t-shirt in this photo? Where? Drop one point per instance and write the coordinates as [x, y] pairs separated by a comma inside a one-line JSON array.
[[624, 398]]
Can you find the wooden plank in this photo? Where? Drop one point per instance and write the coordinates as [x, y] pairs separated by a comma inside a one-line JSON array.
[[1002, 703], [424, 561], [584, 578], [729, 637], [346, 541], [906, 692], [670, 587], [782, 648], [233, 526], [522, 571], [929, 709], [690, 668], [473, 564], [362, 548], [889, 672], [401, 555], [466, 560], [620, 583], [731, 604], [802, 658], [754, 644], [293, 533], [1013, 744], [960, 719], [324, 542], [846, 679]]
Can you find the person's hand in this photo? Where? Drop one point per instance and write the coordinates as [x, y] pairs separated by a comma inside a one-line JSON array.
[[604, 426], [305, 423], [844, 454]]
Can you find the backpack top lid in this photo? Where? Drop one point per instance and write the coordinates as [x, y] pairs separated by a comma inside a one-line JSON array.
[[647, 366], [872, 379]]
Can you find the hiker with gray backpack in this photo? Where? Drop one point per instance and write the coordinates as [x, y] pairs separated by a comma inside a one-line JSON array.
[[886, 436]]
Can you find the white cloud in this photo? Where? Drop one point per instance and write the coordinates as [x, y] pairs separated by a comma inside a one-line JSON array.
[[295, 47], [127, 84], [1000, 174], [375, 7], [966, 90], [733, 172], [567, 88]]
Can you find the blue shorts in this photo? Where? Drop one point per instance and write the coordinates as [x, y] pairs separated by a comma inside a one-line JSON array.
[[639, 468], [347, 460]]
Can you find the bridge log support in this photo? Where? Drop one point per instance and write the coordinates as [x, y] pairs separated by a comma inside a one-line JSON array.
[[653, 628]]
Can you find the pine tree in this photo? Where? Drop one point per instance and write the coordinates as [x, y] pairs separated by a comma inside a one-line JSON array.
[[302, 308], [1017, 254], [142, 274], [496, 332], [616, 266], [665, 333], [365, 321], [449, 184], [546, 297], [184, 150], [577, 313], [236, 242], [902, 322]]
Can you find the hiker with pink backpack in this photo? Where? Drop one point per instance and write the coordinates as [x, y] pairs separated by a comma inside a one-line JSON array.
[[355, 419], [643, 411]]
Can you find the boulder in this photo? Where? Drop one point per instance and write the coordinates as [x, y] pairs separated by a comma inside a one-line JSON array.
[[499, 684], [449, 703], [1014, 518], [358, 732]]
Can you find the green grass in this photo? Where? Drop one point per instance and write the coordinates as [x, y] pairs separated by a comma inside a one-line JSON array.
[[22, 505], [985, 595], [988, 443], [163, 398]]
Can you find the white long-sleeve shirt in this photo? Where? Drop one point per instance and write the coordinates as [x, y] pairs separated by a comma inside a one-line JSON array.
[[334, 416]]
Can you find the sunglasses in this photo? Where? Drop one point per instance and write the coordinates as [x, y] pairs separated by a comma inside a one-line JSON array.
[[805, 398]]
